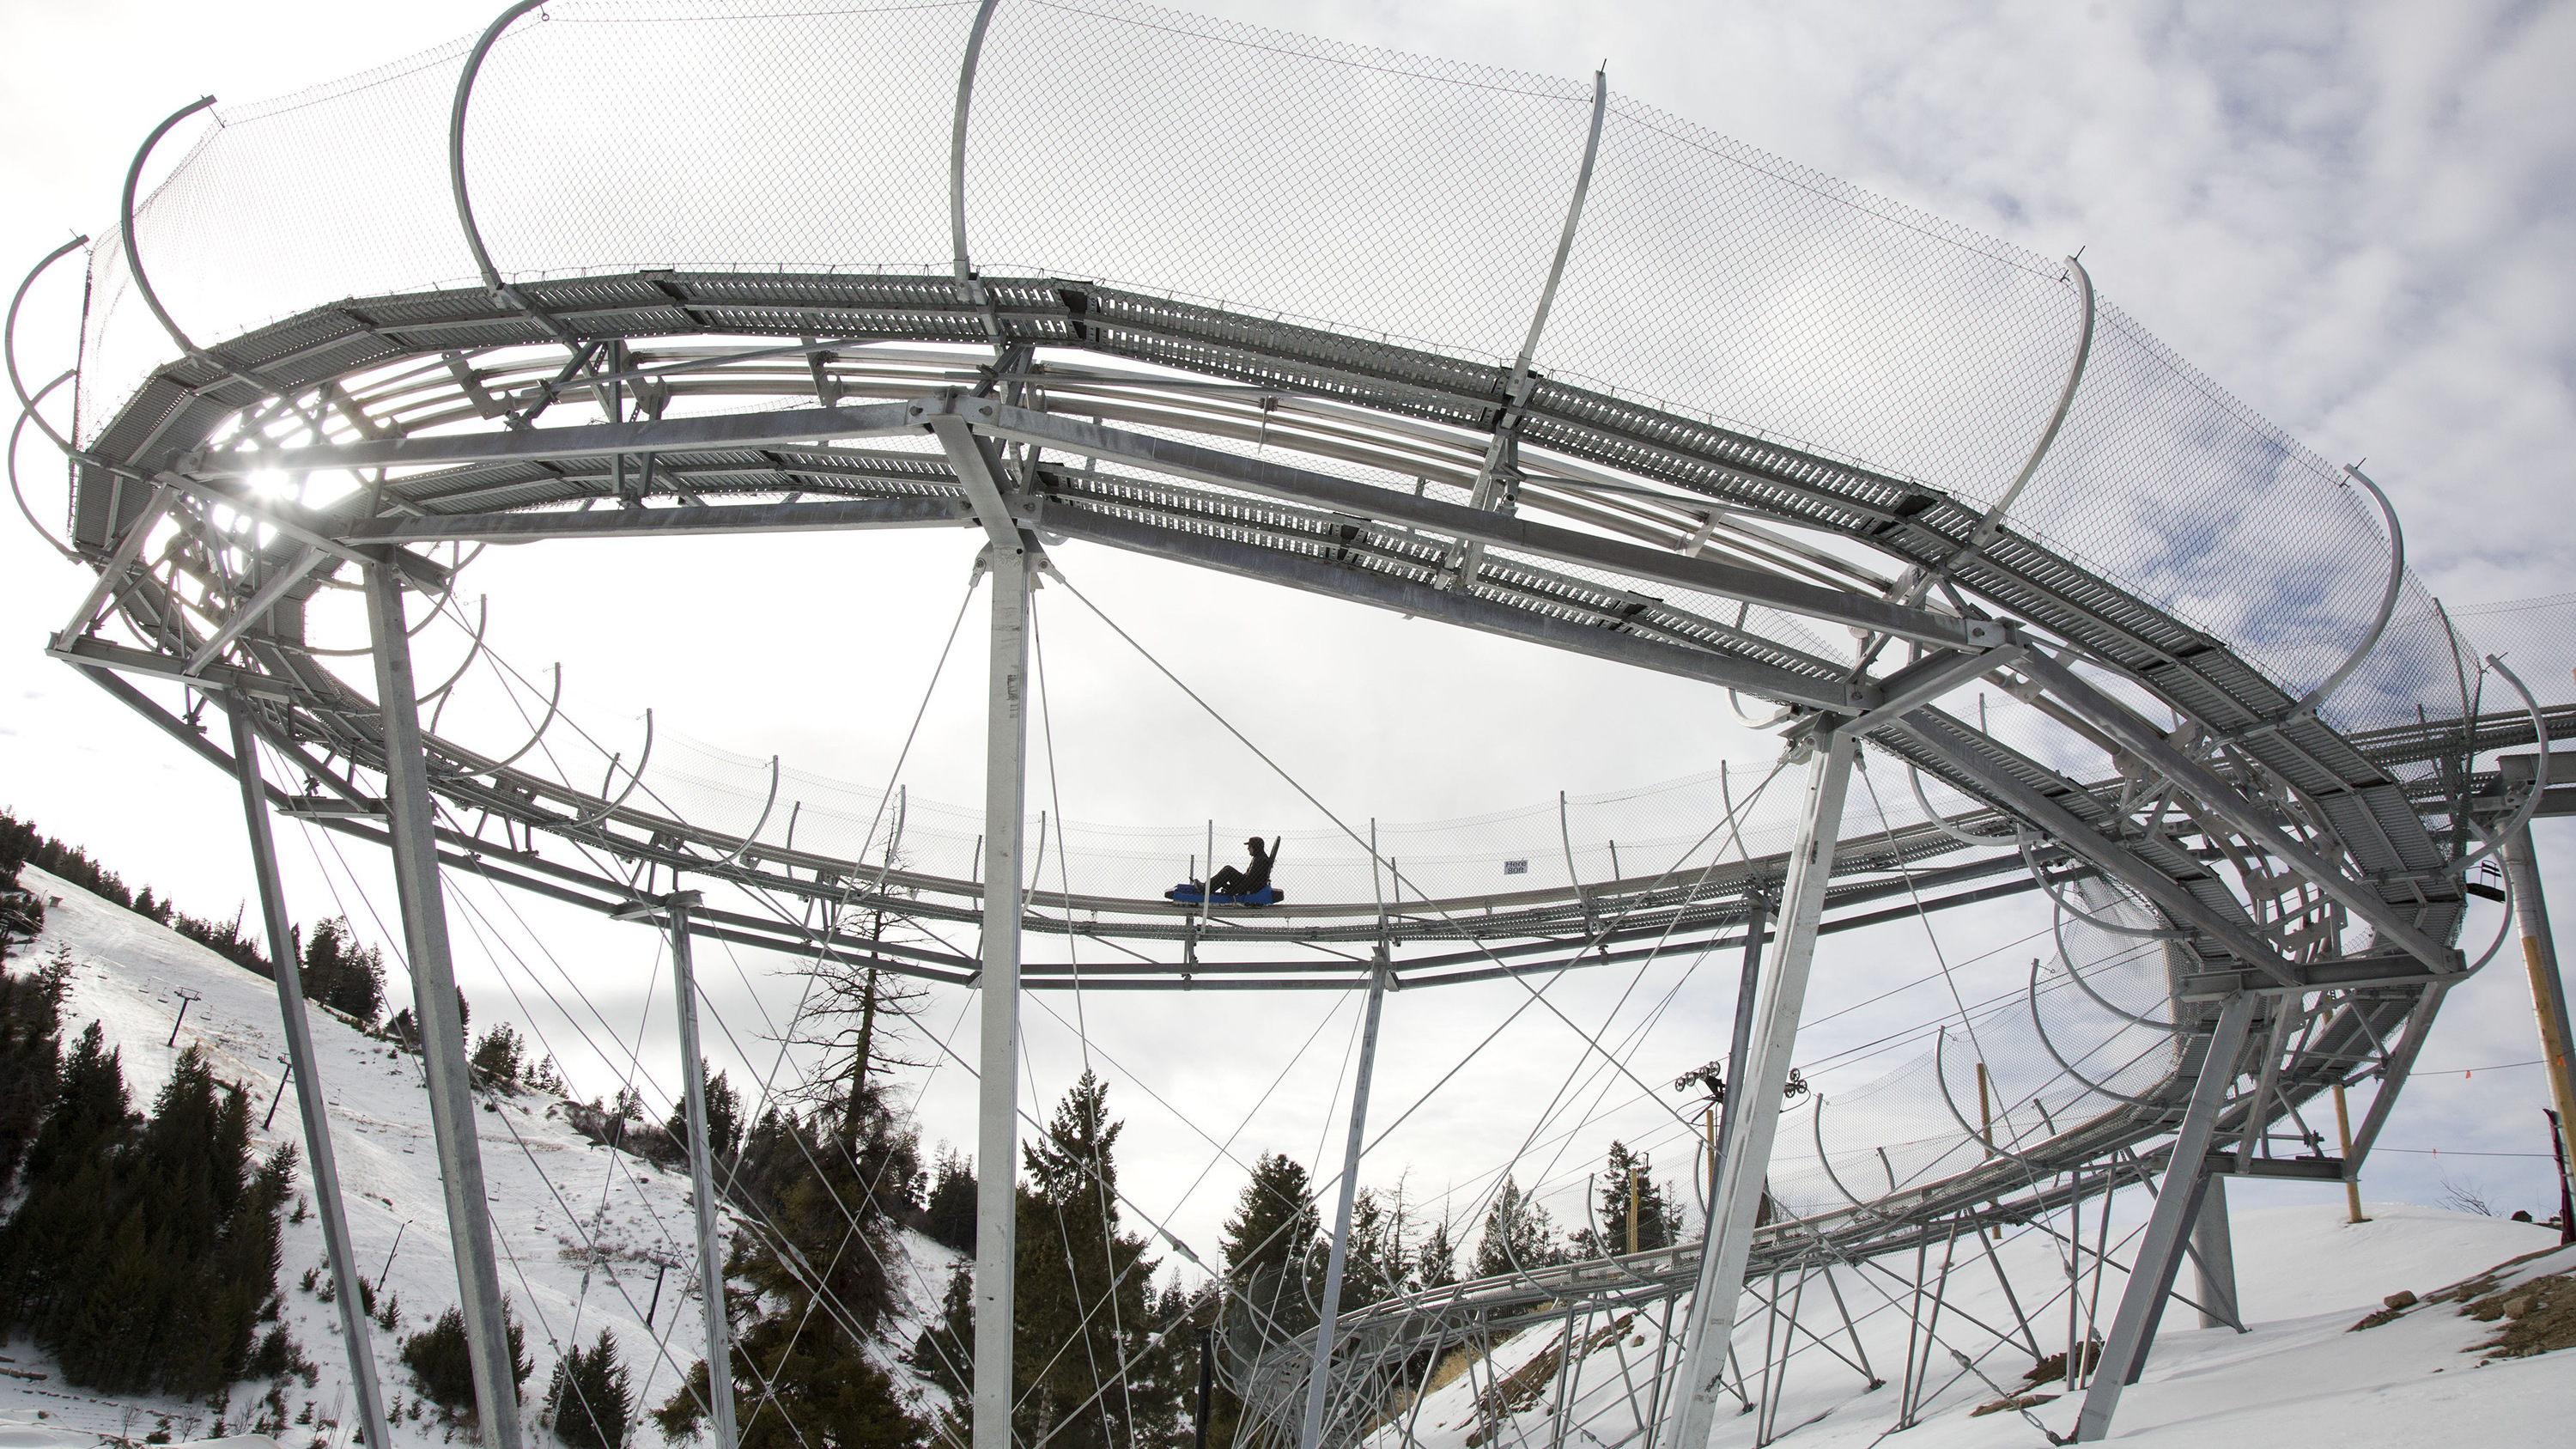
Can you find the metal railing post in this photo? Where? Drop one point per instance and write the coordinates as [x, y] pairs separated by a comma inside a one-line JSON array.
[[414, 841], [309, 1103], [1317, 1377], [1753, 1097]]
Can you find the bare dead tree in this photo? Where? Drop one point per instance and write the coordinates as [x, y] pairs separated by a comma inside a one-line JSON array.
[[2467, 1197], [860, 1012]]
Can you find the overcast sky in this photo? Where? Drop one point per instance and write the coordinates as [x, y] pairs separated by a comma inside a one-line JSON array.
[[2355, 217]]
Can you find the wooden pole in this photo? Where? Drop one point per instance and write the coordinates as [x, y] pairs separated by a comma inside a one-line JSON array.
[[2351, 1183], [1710, 1116], [1632, 1207]]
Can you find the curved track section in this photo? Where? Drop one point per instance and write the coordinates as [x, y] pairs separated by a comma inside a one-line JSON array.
[[2224, 753]]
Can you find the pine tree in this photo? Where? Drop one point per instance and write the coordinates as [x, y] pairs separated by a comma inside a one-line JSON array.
[[405, 1028], [1274, 1223], [22, 842], [944, 1353], [1519, 1235], [21, 914], [1435, 1263], [497, 1057], [591, 1398], [546, 1077], [1083, 1354], [724, 1117], [55, 1246], [30, 1054], [1382, 1262], [144, 1256], [859, 1013], [813, 1282], [442, 1367], [949, 1217], [1658, 1219], [343, 975], [1269, 1245]]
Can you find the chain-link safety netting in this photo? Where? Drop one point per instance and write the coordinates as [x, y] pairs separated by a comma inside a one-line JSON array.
[[1371, 193], [1377, 194]]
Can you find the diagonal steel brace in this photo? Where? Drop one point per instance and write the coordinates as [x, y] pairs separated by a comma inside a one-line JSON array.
[[2149, 744], [1928, 726]]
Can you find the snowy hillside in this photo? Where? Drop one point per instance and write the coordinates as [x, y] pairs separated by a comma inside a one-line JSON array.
[[584, 1233], [2299, 1376]]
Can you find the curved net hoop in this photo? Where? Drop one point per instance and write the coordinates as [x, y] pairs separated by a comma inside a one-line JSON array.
[[1371, 193], [1673, 832], [1894, 1133]]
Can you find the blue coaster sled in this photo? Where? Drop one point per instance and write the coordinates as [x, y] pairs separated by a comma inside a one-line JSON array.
[[1194, 893]]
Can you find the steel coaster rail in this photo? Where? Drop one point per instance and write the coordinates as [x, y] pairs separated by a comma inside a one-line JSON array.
[[1396, 532]]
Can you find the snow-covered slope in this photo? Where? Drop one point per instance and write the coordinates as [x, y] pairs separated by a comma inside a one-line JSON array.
[[584, 1233], [2300, 1376]]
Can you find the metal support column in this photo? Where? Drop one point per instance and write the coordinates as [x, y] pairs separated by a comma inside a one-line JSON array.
[[1753, 1105], [308, 1078], [1319, 1375], [684, 989], [414, 842], [2548, 989], [1740, 1045], [997, 1137], [2160, 1253], [2214, 1260]]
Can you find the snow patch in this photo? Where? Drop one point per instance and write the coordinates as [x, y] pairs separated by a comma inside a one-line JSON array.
[[586, 1235]]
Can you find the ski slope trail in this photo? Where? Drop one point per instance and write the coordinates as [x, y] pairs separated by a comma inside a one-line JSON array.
[[589, 1238], [2300, 1375]]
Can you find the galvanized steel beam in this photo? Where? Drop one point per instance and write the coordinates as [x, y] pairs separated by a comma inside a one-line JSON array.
[[305, 1066], [100, 654], [719, 1333], [1360, 500], [414, 841], [997, 1157], [1317, 575], [855, 513], [1744, 1173], [281, 579], [2228, 803], [591, 440], [1319, 1374], [2151, 1275], [1931, 729]]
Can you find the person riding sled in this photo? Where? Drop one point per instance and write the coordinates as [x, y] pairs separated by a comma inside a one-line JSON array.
[[1249, 886], [1232, 882]]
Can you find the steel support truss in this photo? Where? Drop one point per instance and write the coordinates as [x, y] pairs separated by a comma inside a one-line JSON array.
[[2257, 785]]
